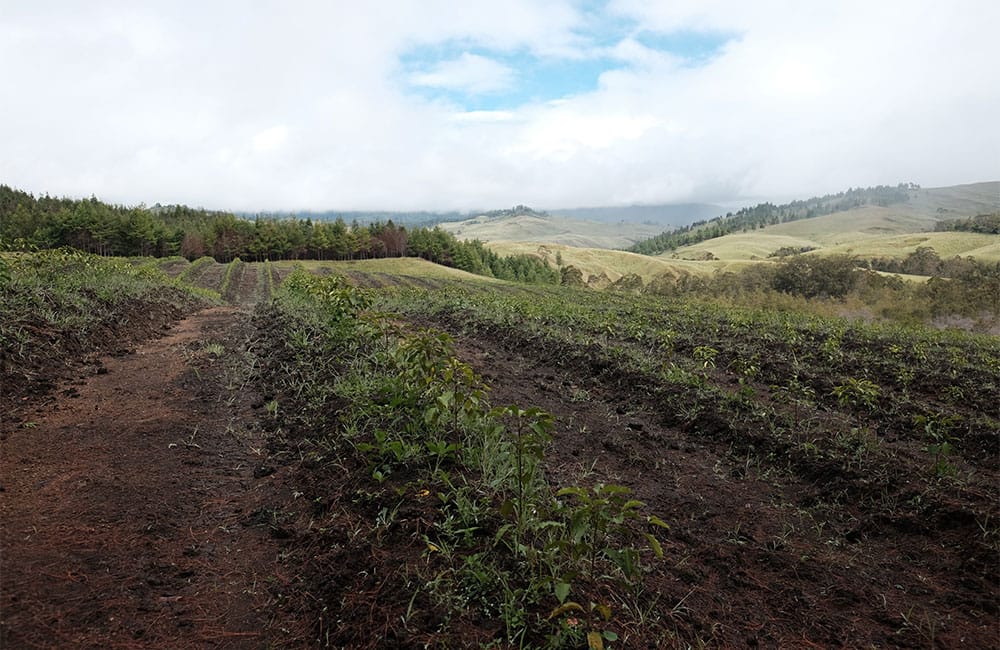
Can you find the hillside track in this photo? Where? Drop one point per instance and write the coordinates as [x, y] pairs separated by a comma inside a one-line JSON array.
[[130, 515], [210, 276], [246, 287]]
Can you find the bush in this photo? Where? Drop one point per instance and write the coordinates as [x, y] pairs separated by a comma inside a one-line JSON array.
[[816, 277]]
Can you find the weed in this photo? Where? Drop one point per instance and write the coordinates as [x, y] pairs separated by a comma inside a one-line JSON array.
[[214, 350]]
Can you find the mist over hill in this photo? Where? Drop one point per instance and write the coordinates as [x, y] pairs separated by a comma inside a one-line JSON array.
[[674, 214], [663, 215]]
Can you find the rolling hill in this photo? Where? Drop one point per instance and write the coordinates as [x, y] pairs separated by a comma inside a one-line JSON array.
[[866, 232], [552, 230], [870, 231]]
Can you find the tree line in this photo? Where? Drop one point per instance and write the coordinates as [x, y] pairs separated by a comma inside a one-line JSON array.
[[768, 214], [988, 224], [91, 225]]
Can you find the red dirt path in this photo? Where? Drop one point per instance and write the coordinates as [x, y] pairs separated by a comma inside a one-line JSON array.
[[128, 506]]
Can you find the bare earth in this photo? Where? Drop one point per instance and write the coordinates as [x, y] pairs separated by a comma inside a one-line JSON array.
[[129, 510]]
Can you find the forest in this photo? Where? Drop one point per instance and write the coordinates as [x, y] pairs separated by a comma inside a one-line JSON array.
[[91, 225]]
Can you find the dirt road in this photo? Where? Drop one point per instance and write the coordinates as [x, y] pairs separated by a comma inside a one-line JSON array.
[[130, 515]]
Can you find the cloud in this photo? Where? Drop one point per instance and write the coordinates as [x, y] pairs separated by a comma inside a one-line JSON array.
[[270, 139], [316, 104], [468, 73]]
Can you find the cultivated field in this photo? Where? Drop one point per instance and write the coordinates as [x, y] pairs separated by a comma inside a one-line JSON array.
[[409, 456]]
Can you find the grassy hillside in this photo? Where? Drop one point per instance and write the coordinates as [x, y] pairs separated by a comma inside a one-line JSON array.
[[957, 200], [846, 233], [946, 244], [612, 263], [552, 230], [870, 231]]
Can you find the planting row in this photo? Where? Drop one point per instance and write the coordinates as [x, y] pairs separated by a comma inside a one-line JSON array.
[[901, 421], [440, 495]]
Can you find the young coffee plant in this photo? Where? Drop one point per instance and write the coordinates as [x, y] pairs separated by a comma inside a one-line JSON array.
[[595, 518], [530, 431], [858, 393], [598, 529], [937, 431]]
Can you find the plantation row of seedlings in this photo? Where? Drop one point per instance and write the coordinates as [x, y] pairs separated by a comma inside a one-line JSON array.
[[895, 430], [442, 496]]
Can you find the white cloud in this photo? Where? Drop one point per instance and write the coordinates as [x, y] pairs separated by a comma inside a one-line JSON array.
[[470, 73], [270, 139], [484, 116], [272, 105]]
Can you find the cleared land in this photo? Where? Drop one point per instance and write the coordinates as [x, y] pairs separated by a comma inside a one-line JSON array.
[[312, 470]]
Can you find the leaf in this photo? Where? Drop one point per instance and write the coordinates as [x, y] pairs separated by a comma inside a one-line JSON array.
[[431, 415], [604, 611], [594, 640], [507, 509], [656, 521], [655, 544], [562, 590], [565, 607], [609, 635], [503, 530]]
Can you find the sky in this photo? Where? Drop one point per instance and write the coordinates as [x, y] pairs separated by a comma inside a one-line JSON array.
[[437, 105]]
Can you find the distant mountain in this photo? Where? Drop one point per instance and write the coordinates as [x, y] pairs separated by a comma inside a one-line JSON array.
[[420, 218], [673, 214], [594, 227], [768, 214], [663, 216], [543, 228]]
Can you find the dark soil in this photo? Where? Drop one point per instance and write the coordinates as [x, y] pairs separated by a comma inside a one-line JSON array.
[[758, 555], [131, 512], [71, 354], [144, 503]]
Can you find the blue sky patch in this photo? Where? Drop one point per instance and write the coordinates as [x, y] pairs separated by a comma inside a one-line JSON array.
[[475, 78], [532, 78], [695, 47]]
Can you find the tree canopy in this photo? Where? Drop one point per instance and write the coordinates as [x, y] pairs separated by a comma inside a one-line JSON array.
[[94, 226]]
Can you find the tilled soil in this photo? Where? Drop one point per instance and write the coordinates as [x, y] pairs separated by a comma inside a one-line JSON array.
[[139, 509], [131, 516], [751, 560]]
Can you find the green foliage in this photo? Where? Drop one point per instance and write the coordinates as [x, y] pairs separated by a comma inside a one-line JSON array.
[[983, 223], [593, 519], [940, 444], [814, 277], [104, 229], [56, 303], [531, 432], [225, 290], [339, 300], [858, 393]]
